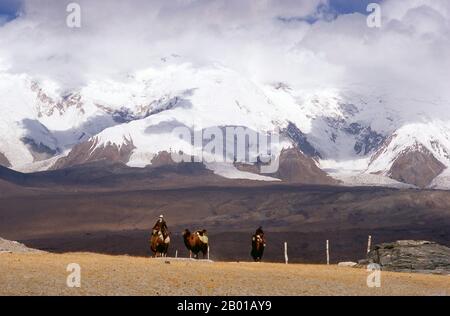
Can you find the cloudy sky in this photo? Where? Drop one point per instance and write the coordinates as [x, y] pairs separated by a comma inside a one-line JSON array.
[[308, 43]]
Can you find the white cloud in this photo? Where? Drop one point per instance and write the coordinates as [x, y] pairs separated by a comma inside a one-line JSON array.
[[410, 54], [120, 36]]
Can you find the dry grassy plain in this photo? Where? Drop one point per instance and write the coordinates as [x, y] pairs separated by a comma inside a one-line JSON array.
[[45, 274]]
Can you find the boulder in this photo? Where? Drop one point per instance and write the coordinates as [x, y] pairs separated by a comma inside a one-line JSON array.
[[347, 264], [411, 256]]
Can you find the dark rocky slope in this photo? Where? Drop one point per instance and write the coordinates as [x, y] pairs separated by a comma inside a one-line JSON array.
[[418, 167], [4, 161]]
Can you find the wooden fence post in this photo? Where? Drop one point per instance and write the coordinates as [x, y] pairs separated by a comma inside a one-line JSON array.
[[369, 244], [328, 252], [286, 258]]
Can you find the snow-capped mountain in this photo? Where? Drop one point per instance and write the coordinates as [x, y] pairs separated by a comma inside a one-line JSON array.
[[355, 135]]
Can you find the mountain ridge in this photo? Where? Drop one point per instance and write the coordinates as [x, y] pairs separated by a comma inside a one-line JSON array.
[[347, 134]]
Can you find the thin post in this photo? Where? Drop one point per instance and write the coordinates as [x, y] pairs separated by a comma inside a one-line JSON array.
[[176, 253], [328, 252], [369, 244], [286, 258], [190, 254], [208, 252]]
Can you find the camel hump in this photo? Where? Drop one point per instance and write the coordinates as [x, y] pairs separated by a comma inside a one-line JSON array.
[[202, 236], [204, 239]]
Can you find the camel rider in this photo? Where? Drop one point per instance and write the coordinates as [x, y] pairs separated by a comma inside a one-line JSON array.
[[259, 234], [160, 226], [259, 231]]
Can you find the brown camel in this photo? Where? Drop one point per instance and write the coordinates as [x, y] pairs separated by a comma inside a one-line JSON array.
[[159, 244], [196, 242]]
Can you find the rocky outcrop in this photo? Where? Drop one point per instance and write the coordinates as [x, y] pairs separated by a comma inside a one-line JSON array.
[[294, 167], [47, 106], [162, 159], [4, 161], [417, 166], [411, 256], [7, 246], [89, 152], [367, 140], [301, 141]]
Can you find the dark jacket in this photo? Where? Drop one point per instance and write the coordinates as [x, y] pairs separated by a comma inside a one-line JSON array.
[[160, 226]]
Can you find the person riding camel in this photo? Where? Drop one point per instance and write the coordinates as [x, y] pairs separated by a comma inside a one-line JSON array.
[[258, 245], [160, 239], [160, 226], [259, 231]]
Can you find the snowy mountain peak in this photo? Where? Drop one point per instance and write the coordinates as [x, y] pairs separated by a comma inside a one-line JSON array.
[[350, 134]]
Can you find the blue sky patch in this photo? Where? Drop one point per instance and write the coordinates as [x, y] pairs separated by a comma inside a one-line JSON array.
[[9, 10], [331, 11], [351, 6]]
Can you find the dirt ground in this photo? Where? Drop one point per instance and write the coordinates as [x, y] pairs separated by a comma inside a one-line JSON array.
[[46, 274], [119, 222]]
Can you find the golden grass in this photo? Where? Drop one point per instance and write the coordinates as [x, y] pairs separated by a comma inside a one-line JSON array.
[[45, 274]]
